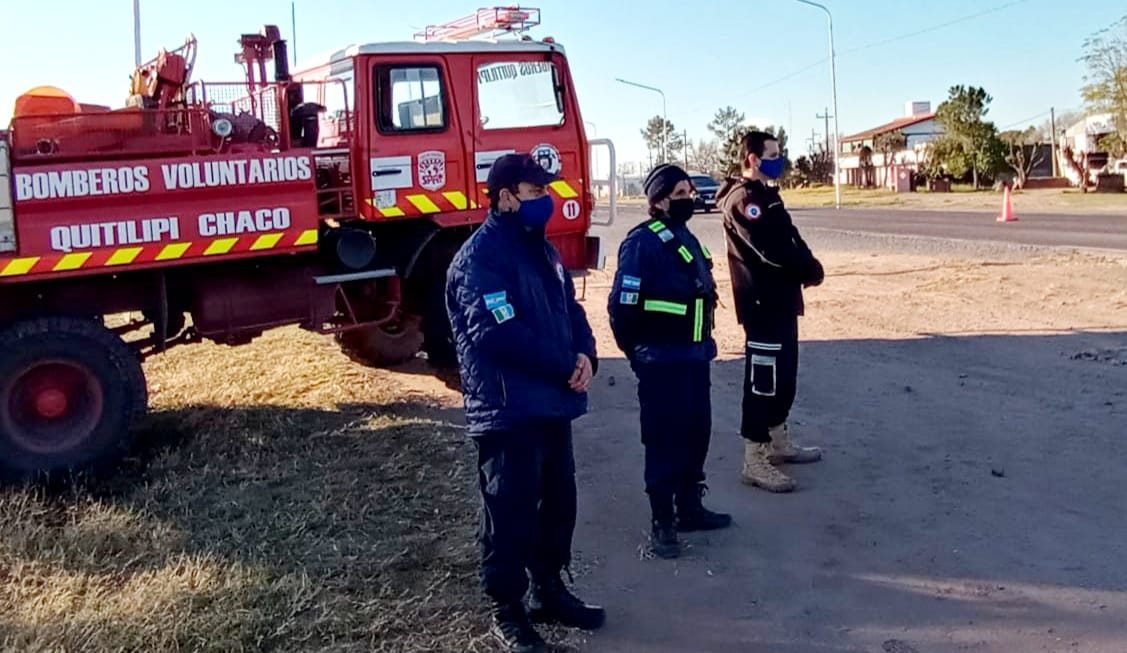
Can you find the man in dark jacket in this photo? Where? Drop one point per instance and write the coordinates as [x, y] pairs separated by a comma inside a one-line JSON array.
[[527, 356], [770, 264], [661, 311]]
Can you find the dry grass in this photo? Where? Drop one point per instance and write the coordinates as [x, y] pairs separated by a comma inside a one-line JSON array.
[[282, 499], [961, 199]]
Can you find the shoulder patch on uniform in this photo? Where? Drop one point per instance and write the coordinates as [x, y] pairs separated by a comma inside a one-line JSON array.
[[665, 235], [631, 283], [495, 299], [628, 298], [752, 211], [504, 313]]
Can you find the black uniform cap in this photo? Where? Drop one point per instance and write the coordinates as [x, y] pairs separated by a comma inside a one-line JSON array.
[[662, 180]]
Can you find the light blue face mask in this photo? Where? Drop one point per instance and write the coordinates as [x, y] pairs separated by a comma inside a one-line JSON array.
[[772, 168]]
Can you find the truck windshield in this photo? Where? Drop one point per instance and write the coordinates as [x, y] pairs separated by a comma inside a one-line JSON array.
[[512, 95]]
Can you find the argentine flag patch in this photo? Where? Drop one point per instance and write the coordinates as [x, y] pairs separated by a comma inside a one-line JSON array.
[[498, 304], [495, 299], [631, 283]]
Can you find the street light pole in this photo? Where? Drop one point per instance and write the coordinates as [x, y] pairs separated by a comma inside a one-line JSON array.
[[664, 115], [137, 33], [833, 82]]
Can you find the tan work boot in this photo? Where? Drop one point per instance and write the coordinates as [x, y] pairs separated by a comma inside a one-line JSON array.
[[785, 451], [759, 471]]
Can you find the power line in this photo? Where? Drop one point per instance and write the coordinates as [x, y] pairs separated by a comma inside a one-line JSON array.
[[1025, 121], [933, 28], [875, 44]]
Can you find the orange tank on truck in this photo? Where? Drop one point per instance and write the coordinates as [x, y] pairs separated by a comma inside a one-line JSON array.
[[332, 198]]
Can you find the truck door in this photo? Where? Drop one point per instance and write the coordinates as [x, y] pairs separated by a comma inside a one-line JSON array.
[[523, 103], [415, 161]]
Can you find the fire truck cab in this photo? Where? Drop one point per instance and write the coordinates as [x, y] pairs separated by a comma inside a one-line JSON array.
[[332, 198]]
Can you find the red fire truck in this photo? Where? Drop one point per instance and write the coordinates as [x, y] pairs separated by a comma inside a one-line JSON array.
[[332, 198]]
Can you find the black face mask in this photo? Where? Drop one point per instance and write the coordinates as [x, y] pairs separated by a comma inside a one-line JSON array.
[[681, 209]]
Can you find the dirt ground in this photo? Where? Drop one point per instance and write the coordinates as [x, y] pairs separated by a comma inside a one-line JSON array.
[[971, 399]]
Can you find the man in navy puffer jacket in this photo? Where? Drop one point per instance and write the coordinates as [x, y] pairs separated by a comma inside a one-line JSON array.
[[527, 356]]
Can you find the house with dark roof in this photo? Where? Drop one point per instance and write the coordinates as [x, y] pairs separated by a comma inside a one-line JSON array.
[[863, 161]]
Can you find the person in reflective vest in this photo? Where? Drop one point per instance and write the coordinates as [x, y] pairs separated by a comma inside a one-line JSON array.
[[661, 312]]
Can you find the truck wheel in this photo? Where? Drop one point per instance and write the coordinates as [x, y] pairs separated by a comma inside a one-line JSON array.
[[70, 390], [389, 344], [439, 339]]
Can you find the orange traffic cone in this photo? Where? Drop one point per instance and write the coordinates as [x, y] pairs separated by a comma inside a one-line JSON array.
[[1007, 207]]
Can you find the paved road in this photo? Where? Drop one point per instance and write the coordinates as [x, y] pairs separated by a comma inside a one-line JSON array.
[[1046, 230]]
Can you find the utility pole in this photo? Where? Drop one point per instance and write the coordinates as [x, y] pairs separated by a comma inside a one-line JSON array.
[[812, 140], [826, 116], [1053, 139]]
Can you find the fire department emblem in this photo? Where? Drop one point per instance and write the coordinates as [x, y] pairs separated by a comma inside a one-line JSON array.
[[753, 212], [432, 170], [548, 157]]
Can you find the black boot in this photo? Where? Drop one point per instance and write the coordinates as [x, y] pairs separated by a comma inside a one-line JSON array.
[[512, 629], [663, 532], [693, 516], [551, 602], [663, 539]]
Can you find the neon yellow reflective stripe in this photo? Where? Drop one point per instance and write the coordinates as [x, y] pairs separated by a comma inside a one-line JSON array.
[[658, 306], [707, 254], [698, 322], [656, 226], [685, 253]]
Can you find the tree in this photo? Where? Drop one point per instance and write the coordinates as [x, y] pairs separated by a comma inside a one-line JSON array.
[[1064, 120], [704, 156], [972, 143], [888, 144], [729, 127], [652, 134], [1023, 152], [816, 169], [1105, 88]]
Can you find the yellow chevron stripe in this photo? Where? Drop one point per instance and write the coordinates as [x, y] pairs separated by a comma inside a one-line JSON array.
[[124, 256], [18, 266], [423, 203], [221, 246], [71, 262], [173, 251], [458, 199], [564, 189], [266, 241], [308, 237], [391, 212]]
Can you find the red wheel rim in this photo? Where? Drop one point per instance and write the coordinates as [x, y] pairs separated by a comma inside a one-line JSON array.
[[51, 406]]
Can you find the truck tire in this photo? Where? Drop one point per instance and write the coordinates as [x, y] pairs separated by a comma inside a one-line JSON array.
[[382, 346], [70, 392], [438, 341]]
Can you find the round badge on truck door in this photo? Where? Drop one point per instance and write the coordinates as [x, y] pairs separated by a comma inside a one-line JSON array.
[[571, 209], [548, 157]]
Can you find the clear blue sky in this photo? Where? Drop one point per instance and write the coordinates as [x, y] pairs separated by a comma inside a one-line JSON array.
[[705, 54]]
